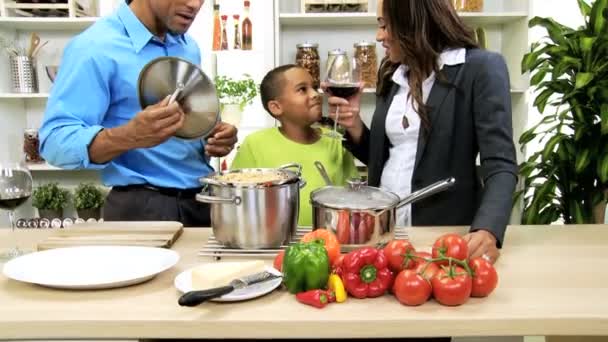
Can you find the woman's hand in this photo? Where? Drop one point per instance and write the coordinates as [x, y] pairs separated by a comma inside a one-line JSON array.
[[349, 116], [482, 243]]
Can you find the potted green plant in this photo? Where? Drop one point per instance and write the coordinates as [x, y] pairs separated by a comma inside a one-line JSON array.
[[50, 200], [234, 95], [88, 200], [567, 179]]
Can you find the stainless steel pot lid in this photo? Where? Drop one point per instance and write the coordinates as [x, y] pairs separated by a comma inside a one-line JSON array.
[[198, 96], [255, 177], [354, 196]]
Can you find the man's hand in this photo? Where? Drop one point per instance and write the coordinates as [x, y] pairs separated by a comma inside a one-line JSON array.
[[155, 124], [482, 243], [221, 140]]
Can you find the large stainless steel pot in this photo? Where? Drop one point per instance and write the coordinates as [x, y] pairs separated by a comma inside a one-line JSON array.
[[363, 215], [256, 215]]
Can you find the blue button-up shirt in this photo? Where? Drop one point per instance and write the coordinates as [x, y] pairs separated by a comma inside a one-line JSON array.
[[96, 88]]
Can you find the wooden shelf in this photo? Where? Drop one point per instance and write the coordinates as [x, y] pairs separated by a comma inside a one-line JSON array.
[[23, 96], [358, 19], [36, 6], [49, 24]]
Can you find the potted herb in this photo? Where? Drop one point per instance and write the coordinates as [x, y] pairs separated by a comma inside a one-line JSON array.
[[88, 200], [50, 200], [567, 180], [234, 95]]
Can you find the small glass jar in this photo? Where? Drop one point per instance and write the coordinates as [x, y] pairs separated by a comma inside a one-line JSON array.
[[307, 57], [31, 145], [468, 5], [367, 63]]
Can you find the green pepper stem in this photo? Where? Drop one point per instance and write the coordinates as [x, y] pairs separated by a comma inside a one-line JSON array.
[[368, 273]]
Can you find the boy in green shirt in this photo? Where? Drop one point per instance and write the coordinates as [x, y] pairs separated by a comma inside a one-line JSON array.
[[288, 95]]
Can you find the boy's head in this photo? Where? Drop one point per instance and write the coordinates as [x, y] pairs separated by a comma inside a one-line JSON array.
[[288, 95]]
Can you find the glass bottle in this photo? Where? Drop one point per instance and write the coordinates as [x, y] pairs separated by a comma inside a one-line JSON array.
[[224, 33], [237, 34], [247, 29], [217, 29]]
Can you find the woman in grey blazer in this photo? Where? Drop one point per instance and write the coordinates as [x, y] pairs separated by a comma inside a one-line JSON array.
[[441, 103]]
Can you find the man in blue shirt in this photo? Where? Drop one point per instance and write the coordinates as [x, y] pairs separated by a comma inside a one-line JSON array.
[[93, 119]]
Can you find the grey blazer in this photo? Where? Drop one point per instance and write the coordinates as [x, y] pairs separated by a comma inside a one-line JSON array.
[[470, 115]]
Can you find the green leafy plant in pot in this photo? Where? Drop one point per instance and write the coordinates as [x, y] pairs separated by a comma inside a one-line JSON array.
[[234, 95], [88, 200], [568, 178], [50, 200]]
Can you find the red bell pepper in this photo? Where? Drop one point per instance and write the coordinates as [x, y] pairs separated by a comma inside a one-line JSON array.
[[317, 298], [366, 273]]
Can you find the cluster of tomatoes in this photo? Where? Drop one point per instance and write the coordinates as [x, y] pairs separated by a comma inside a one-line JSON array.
[[445, 274]]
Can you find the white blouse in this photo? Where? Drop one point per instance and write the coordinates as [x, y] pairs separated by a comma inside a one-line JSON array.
[[398, 170]]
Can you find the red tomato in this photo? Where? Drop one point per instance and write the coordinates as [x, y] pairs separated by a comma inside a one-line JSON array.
[[278, 261], [395, 252], [329, 239], [450, 245], [411, 288], [452, 286], [429, 268], [485, 277]]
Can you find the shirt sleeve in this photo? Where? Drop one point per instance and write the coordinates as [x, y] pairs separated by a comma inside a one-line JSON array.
[[79, 100], [244, 157]]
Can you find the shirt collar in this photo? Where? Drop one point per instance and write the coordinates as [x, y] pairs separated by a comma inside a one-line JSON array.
[[139, 33], [447, 57]]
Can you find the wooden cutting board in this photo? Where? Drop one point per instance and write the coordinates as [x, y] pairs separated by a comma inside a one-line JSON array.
[[148, 234]]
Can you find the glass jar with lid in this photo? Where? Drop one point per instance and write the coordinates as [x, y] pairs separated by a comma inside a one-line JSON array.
[[468, 5], [367, 63], [308, 58], [31, 145]]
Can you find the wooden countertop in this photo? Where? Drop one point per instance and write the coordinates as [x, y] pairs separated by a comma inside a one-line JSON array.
[[553, 281]]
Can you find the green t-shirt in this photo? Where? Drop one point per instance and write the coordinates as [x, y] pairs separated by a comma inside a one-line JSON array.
[[269, 148]]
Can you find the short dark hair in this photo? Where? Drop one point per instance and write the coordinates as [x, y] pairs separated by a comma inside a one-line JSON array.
[[273, 83]]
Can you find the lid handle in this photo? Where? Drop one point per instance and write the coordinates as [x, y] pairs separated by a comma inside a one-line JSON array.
[[355, 183], [296, 166]]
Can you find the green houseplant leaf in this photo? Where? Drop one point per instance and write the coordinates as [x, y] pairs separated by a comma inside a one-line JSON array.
[[50, 197], [88, 196], [236, 91], [569, 67]]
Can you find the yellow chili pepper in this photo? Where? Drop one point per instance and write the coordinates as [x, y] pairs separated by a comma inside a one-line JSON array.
[[335, 284]]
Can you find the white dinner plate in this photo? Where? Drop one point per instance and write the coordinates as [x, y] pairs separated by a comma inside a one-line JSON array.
[[91, 267], [183, 282]]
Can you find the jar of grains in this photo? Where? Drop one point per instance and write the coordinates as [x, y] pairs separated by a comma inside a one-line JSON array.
[[31, 144], [307, 57], [367, 63], [468, 5]]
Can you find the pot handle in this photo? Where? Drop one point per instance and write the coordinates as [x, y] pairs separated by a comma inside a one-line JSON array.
[[427, 191], [302, 183], [236, 200], [296, 166]]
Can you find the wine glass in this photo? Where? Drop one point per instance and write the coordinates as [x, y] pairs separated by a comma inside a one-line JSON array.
[[342, 81], [15, 189]]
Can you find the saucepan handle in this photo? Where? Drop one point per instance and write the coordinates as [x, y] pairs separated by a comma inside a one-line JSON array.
[[236, 200], [427, 191], [296, 166]]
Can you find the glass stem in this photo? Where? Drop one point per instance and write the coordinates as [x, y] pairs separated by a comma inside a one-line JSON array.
[[337, 118], [11, 218]]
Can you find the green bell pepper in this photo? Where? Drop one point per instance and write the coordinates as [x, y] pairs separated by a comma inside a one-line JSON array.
[[305, 267]]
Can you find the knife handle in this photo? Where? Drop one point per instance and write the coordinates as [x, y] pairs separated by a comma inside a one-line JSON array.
[[194, 298]]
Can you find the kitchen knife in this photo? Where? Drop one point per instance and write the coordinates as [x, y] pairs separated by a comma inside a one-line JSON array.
[[194, 298]]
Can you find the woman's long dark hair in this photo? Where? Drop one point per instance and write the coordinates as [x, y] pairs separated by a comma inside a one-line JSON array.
[[422, 30]]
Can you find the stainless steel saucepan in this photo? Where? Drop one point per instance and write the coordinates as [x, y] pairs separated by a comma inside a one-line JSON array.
[[363, 215]]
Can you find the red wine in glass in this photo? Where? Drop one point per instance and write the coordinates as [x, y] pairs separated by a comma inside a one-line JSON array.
[[343, 90], [12, 203]]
